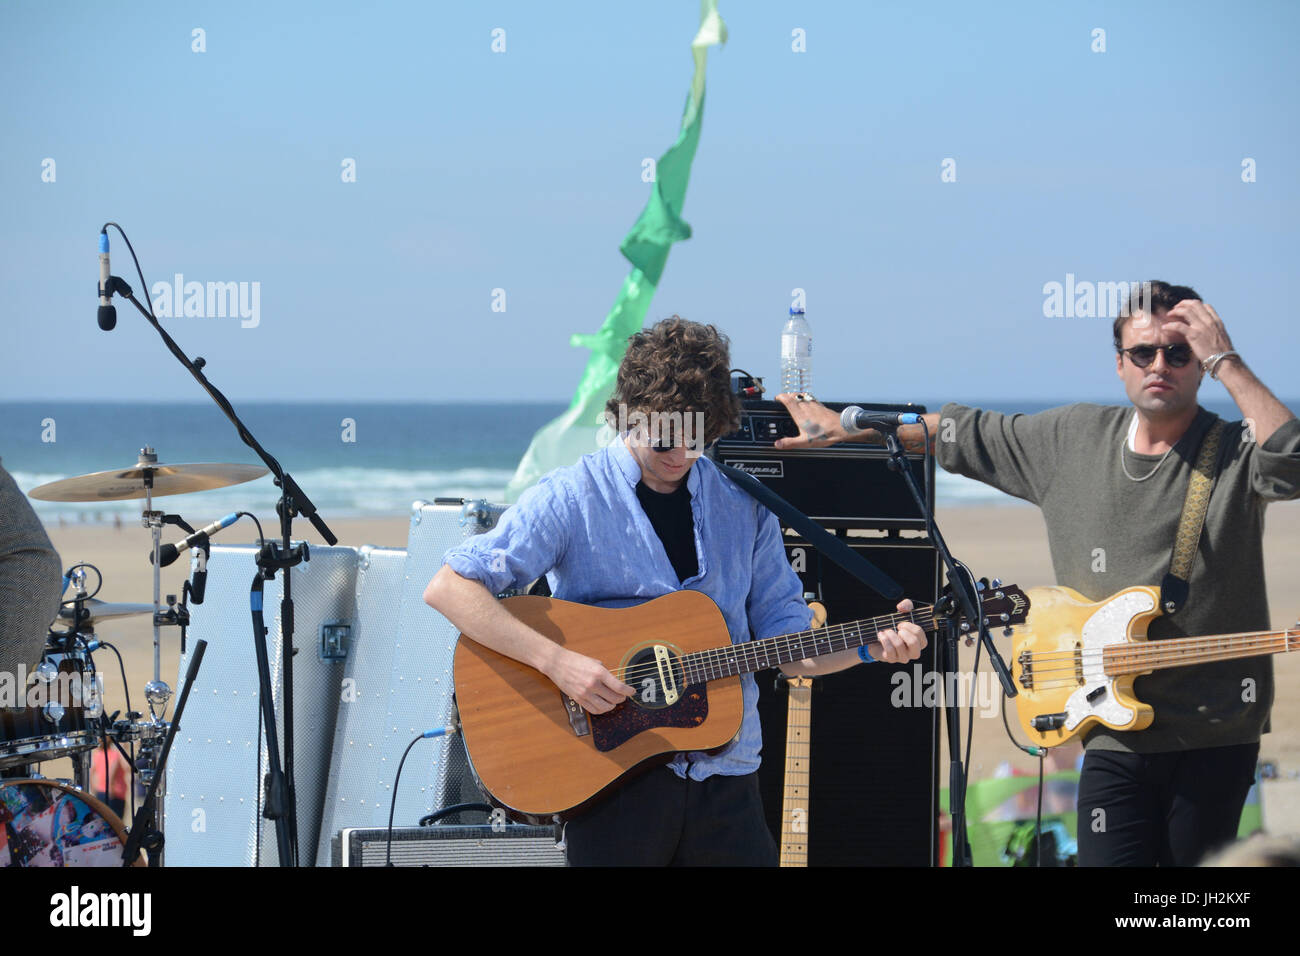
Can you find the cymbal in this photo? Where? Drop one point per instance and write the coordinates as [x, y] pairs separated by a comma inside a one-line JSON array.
[[104, 611], [129, 482]]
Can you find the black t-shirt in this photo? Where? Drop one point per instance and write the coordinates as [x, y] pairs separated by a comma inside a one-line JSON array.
[[670, 516]]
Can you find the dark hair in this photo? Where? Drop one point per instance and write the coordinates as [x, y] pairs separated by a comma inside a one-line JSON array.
[[1151, 296], [678, 366]]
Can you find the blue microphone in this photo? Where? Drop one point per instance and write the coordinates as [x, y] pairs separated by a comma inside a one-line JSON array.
[[107, 312]]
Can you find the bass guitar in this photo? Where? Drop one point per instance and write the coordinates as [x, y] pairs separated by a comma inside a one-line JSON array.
[[540, 755], [1076, 660]]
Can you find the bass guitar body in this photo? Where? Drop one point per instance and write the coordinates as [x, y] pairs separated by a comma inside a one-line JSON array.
[[1062, 657]]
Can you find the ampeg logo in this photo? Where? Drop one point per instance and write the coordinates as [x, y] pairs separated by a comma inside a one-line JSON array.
[[759, 469], [77, 909]]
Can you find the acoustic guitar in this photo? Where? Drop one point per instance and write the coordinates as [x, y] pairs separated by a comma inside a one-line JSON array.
[[1076, 660], [541, 756]]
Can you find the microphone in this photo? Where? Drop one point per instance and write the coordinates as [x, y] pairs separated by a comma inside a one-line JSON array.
[[855, 419], [107, 312], [199, 574], [170, 552]]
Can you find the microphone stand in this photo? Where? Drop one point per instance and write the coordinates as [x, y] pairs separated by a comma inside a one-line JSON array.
[[271, 557], [961, 584]]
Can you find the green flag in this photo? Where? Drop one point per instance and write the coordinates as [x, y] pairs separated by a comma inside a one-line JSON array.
[[576, 432]]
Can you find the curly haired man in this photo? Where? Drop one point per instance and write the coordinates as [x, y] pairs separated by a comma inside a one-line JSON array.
[[638, 519]]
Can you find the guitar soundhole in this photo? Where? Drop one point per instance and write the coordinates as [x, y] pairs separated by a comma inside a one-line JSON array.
[[657, 685], [662, 699]]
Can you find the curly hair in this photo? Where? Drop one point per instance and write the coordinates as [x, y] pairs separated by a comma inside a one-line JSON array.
[[678, 366]]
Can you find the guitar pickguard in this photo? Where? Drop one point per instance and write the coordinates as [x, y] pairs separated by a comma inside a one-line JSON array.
[[611, 729], [1107, 626]]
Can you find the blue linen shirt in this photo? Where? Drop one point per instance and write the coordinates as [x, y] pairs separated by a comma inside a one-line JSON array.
[[584, 528]]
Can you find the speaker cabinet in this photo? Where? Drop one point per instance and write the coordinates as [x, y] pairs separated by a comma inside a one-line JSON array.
[[873, 797]]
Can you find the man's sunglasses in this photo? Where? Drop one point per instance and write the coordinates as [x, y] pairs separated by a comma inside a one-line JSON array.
[[666, 446], [1175, 355]]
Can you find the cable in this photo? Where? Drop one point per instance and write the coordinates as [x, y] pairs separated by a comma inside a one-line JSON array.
[[144, 286], [126, 688], [392, 807], [260, 536], [963, 763], [99, 575], [431, 818], [130, 758], [1038, 819], [1041, 754]]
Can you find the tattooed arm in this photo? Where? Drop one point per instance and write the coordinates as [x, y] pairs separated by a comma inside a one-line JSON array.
[[819, 426]]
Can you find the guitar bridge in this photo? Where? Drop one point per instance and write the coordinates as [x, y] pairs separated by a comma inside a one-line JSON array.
[[667, 681], [577, 717]]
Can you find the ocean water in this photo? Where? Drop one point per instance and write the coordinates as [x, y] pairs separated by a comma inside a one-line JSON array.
[[352, 459]]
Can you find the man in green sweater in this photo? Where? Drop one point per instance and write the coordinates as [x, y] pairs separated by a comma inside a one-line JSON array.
[[1111, 481]]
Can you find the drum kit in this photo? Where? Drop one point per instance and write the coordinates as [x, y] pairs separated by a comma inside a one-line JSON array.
[[61, 823]]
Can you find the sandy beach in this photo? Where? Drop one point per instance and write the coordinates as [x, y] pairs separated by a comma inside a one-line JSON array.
[[1008, 542]]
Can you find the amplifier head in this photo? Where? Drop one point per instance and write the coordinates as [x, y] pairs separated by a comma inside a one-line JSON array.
[[849, 485]]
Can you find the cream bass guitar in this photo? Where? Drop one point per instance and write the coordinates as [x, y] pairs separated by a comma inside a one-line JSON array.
[[1076, 660]]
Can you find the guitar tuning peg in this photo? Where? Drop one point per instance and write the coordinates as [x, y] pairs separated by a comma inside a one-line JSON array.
[[997, 582]]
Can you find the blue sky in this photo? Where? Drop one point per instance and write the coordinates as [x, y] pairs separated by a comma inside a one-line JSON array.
[[521, 170]]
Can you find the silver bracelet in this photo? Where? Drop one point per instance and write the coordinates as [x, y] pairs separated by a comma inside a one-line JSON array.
[[1211, 364]]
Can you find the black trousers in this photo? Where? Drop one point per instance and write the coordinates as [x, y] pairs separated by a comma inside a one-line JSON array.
[[1167, 809], [659, 819]]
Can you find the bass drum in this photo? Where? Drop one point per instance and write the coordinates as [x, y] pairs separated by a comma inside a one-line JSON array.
[[43, 823]]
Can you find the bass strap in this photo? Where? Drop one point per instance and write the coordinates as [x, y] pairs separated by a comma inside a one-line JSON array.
[[1174, 589]]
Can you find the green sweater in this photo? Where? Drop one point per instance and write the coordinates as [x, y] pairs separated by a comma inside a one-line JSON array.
[[1108, 532]]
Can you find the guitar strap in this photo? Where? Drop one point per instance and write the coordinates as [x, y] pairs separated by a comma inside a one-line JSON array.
[[825, 542], [1174, 589]]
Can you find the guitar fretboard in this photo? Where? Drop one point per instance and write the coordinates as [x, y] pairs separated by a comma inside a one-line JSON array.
[[794, 805], [1143, 656], [754, 656]]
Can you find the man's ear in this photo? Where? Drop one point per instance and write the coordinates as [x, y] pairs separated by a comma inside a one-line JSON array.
[[1119, 364]]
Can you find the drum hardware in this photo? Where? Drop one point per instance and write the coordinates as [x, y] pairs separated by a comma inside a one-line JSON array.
[[60, 705], [148, 479], [145, 832], [75, 728], [96, 610], [63, 715]]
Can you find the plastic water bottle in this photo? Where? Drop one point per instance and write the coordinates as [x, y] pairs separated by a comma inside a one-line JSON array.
[[796, 354]]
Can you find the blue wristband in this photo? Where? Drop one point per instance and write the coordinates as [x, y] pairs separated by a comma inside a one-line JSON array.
[[865, 655]]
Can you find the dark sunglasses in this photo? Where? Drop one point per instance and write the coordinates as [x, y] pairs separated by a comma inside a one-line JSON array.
[[1143, 355], [662, 446]]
